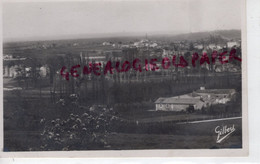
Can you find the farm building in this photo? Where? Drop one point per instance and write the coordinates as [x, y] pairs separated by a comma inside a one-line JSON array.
[[178, 103], [215, 96], [198, 99]]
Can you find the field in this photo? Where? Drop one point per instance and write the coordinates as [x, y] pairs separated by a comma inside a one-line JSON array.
[[139, 129], [146, 129], [186, 136]]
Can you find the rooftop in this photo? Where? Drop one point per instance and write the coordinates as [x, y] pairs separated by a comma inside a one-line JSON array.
[[176, 100], [216, 91]]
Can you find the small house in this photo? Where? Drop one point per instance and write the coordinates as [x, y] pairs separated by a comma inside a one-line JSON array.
[[178, 103]]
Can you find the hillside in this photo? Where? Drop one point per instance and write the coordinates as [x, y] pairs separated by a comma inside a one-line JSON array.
[[225, 34]]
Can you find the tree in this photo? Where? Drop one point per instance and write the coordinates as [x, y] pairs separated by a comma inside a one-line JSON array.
[[190, 109]]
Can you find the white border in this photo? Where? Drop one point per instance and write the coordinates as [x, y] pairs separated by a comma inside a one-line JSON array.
[[156, 153]]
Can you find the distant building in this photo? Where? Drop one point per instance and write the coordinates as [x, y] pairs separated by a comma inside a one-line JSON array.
[[44, 70], [231, 44], [7, 57], [178, 103], [199, 46], [106, 43], [145, 43], [96, 59], [211, 46], [75, 44], [153, 45], [28, 71], [12, 58], [216, 96], [198, 99], [125, 46], [10, 71]]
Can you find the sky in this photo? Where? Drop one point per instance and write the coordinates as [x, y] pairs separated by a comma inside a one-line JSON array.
[[53, 20]]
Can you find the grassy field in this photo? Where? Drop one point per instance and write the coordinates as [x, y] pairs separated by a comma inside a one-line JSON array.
[[172, 136], [139, 130], [186, 136]]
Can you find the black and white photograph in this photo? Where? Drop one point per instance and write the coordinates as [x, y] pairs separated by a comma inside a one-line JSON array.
[[123, 75]]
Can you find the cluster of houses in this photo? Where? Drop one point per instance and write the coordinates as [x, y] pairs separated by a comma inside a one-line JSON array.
[[229, 44], [11, 58], [182, 45], [102, 56], [18, 69], [198, 99], [138, 44]]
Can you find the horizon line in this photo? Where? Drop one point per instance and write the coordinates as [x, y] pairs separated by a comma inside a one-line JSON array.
[[105, 35]]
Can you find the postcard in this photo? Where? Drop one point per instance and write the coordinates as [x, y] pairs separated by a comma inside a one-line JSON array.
[[124, 78]]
